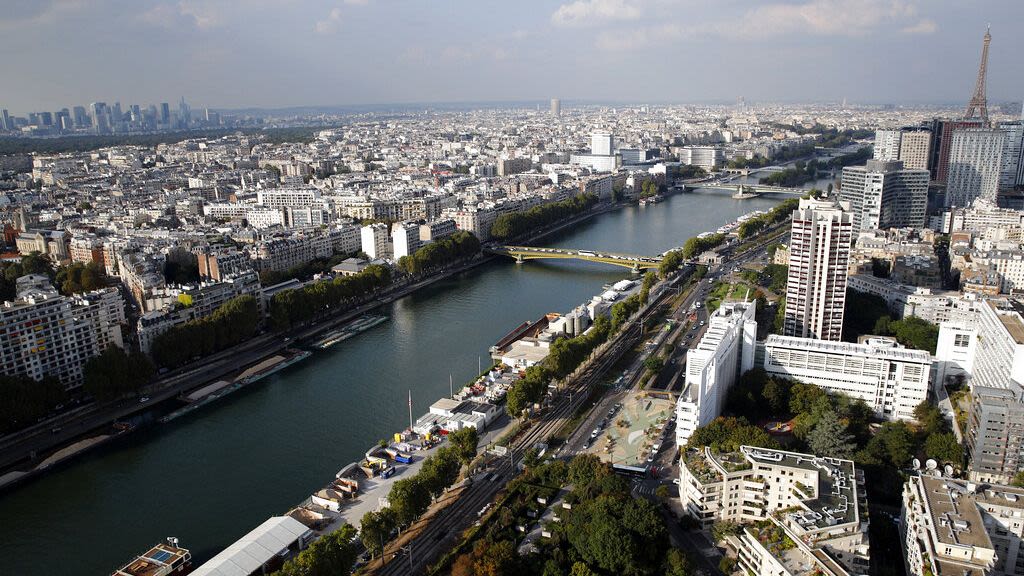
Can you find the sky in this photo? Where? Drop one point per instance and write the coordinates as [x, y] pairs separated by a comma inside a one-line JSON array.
[[279, 53]]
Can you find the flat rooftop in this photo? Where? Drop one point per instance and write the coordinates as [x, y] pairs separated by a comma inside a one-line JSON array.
[[836, 502], [954, 513], [1011, 319]]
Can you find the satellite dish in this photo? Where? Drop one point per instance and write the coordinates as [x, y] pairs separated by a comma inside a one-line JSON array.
[[936, 473], [948, 469], [931, 464], [915, 464]]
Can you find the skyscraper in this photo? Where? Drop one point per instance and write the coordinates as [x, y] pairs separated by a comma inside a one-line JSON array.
[[1013, 145], [942, 139], [887, 145], [5, 120], [915, 148], [80, 118], [556, 107], [885, 195], [165, 113], [975, 162], [819, 254]]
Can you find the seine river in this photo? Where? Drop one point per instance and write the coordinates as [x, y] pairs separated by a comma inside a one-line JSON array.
[[210, 477]]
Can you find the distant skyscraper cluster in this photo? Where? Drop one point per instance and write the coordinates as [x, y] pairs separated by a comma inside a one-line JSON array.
[[102, 118]]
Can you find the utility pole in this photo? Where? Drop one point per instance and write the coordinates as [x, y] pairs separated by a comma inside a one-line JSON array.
[[410, 410], [451, 389]]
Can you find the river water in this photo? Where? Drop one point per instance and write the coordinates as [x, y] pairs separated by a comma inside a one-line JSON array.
[[211, 476]]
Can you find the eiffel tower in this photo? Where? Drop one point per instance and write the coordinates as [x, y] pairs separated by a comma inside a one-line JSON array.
[[978, 106]]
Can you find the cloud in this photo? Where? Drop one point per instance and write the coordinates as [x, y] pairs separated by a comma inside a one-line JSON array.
[[926, 26], [592, 12], [357, 2], [825, 17], [830, 18], [330, 24]]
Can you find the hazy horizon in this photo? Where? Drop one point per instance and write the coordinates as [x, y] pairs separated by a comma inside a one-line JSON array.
[[261, 54]]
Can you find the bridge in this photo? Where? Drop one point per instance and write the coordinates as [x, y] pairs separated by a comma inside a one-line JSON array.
[[750, 190], [524, 253]]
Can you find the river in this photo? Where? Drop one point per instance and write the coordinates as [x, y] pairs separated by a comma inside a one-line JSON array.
[[213, 475]]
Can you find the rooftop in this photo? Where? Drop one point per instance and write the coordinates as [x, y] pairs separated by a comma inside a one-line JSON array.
[[1011, 320]]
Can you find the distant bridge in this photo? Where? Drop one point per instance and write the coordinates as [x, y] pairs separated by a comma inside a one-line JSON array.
[[750, 188], [524, 253]]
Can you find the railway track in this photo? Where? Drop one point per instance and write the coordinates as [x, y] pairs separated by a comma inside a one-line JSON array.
[[440, 531]]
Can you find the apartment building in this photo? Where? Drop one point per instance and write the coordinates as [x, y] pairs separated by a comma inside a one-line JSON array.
[[376, 242], [725, 351], [437, 229], [819, 254], [955, 528], [286, 252], [892, 380], [405, 238], [885, 195], [801, 512], [975, 164], [179, 304], [44, 334]]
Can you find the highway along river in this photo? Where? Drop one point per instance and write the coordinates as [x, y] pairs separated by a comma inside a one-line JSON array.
[[211, 476]]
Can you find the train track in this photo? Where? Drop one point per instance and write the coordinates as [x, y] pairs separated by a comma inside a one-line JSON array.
[[438, 532]]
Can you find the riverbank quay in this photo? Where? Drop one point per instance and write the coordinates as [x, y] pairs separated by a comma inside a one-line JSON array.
[[22, 452]]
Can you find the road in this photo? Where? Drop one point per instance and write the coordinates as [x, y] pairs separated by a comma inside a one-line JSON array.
[[441, 528], [437, 532]]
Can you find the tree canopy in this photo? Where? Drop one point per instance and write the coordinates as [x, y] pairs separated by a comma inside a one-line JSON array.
[[235, 321], [515, 224]]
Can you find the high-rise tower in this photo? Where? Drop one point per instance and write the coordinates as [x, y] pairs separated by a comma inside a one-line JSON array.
[[978, 106], [819, 254]]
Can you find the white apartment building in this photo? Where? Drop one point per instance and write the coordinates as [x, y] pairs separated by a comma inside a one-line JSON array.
[[179, 304], [935, 306], [280, 198], [981, 217], [45, 334], [405, 237], [819, 254], [724, 353], [999, 355], [816, 503], [706, 157], [375, 241], [885, 195], [887, 145], [602, 144], [955, 528], [284, 253], [892, 380], [473, 219], [975, 163], [911, 146]]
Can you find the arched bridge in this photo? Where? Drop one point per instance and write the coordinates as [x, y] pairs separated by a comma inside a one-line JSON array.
[[524, 253]]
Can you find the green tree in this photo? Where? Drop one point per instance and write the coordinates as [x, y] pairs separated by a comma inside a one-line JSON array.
[[581, 569], [375, 529], [892, 445], [409, 499], [830, 438], [488, 559], [23, 400], [330, 555], [114, 373], [1018, 479], [943, 447], [464, 442]]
